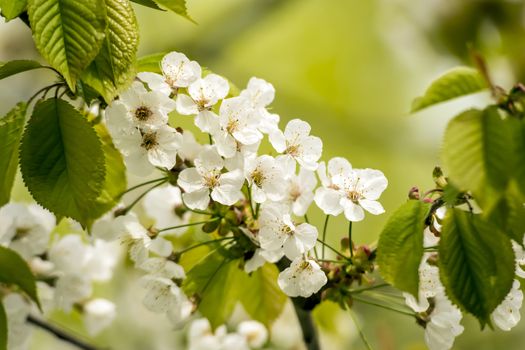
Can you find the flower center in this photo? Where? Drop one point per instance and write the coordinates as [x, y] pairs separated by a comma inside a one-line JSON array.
[[149, 140], [354, 196], [233, 125], [293, 150], [295, 192], [286, 230], [257, 177], [143, 113], [212, 179], [21, 232]]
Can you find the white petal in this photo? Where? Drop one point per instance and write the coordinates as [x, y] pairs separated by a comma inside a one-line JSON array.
[[207, 121], [353, 212], [190, 180], [373, 207], [155, 82], [186, 105], [198, 199], [328, 200]]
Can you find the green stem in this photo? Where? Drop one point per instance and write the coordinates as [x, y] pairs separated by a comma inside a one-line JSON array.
[[204, 243], [324, 234], [332, 261], [386, 307], [306, 219], [250, 202], [332, 249], [360, 331], [129, 207], [364, 289], [45, 89], [140, 185], [187, 225], [350, 243]]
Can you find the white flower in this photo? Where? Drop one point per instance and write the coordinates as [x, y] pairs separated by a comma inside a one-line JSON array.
[[265, 177], [444, 324], [260, 257], [297, 143], [98, 315], [138, 107], [507, 314], [201, 337], [237, 125], [299, 191], [177, 71], [520, 259], [303, 278], [137, 238], [351, 191], [256, 333], [143, 149], [18, 331], [234, 341], [163, 267], [260, 94], [71, 289], [278, 233], [207, 177], [190, 148], [25, 228], [429, 286], [203, 95], [163, 295], [160, 204]]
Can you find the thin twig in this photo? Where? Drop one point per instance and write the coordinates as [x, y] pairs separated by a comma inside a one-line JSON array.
[[60, 333], [187, 225], [324, 234], [333, 249], [360, 330]]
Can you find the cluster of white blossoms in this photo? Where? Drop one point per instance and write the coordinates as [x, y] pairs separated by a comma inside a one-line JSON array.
[[65, 265], [443, 319], [248, 335], [281, 185]]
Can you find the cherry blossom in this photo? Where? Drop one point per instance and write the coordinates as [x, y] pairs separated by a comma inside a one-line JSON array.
[[206, 178], [303, 278]]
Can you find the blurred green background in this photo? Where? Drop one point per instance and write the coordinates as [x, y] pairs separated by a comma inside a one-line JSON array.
[[351, 69]]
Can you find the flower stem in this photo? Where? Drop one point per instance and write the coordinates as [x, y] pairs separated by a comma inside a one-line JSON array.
[[364, 289], [332, 249], [324, 233], [204, 243], [140, 185], [60, 333], [187, 225], [129, 207], [386, 307], [250, 202], [350, 243], [360, 331]]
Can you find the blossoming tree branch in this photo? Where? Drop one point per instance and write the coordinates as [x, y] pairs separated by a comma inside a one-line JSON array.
[[220, 219]]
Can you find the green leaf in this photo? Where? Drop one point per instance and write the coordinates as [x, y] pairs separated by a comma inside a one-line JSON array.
[[68, 33], [148, 3], [150, 63], [262, 298], [509, 214], [18, 66], [518, 128], [177, 6], [12, 8], [455, 83], [400, 246], [478, 154], [476, 263], [217, 282], [3, 328], [15, 271], [114, 67], [11, 128], [62, 160], [115, 178]]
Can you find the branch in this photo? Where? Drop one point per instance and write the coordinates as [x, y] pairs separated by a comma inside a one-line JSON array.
[[310, 335], [60, 334]]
